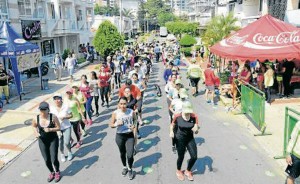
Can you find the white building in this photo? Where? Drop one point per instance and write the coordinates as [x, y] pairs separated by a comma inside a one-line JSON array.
[[180, 7], [64, 23], [293, 12], [201, 11]]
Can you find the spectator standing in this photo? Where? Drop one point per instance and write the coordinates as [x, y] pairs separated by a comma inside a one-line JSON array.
[[58, 65], [202, 51], [209, 83], [288, 70], [70, 65], [269, 81], [4, 83]]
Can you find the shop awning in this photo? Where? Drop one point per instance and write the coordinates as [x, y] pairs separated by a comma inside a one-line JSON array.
[[266, 38]]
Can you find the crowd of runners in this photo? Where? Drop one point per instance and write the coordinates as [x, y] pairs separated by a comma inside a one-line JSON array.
[[127, 73]]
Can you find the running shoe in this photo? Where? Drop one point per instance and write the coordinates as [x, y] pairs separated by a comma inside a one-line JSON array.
[[78, 145], [208, 101], [71, 141], [63, 157], [125, 171], [83, 132], [180, 175], [102, 104], [139, 135], [130, 174], [189, 175], [174, 150], [57, 177], [70, 156], [97, 114], [50, 177]]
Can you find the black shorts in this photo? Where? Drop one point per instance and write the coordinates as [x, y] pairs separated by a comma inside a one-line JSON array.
[[294, 170], [194, 81]]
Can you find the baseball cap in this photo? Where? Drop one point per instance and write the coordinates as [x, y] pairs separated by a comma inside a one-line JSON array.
[[128, 82], [178, 81], [183, 93], [187, 107], [44, 106], [57, 95], [136, 65], [69, 91]]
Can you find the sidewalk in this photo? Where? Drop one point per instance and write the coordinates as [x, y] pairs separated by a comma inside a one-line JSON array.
[[16, 133]]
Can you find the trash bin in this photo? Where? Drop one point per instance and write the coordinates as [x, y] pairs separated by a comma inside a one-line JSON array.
[[45, 84]]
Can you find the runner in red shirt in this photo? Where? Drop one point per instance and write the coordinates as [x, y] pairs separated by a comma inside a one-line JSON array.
[[209, 83], [136, 93], [104, 84]]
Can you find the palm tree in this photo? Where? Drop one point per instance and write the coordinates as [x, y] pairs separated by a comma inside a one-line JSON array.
[[219, 28], [128, 13]]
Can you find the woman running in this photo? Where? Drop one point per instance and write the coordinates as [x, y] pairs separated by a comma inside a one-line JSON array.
[[63, 113], [86, 91], [183, 127], [77, 115], [45, 127], [131, 101], [117, 72], [104, 83], [176, 108], [124, 120], [95, 91], [142, 86], [82, 101]]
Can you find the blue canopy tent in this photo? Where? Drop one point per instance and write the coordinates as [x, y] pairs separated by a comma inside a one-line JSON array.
[[23, 55]]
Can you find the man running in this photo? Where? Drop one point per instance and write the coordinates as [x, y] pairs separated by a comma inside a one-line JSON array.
[[194, 74]]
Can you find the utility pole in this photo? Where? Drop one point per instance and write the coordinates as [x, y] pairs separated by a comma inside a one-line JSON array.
[[121, 17]]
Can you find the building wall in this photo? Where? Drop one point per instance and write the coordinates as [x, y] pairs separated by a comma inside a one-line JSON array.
[[292, 5]]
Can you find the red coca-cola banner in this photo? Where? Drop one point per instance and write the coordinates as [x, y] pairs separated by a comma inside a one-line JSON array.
[[266, 38]]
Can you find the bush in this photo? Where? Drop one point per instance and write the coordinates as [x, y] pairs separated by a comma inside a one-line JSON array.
[[81, 60], [187, 51], [65, 54], [187, 41], [198, 47], [224, 77]]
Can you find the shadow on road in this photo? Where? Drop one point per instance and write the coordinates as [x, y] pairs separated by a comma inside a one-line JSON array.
[[78, 165], [148, 129], [150, 109], [201, 163], [86, 149], [149, 101], [143, 147], [153, 118], [199, 141], [11, 128], [147, 162]]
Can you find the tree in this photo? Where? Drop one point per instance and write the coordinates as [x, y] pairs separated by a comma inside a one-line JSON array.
[[128, 13], [187, 41], [97, 9], [107, 39], [219, 28], [165, 17], [180, 27]]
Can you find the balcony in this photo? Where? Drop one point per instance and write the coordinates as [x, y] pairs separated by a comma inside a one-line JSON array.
[[65, 26]]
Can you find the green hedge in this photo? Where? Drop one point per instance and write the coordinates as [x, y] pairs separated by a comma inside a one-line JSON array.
[[81, 60], [187, 51], [187, 41]]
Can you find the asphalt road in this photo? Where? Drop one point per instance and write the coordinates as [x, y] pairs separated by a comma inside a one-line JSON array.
[[227, 153]]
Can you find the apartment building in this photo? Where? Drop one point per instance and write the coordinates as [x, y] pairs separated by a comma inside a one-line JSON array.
[[292, 13], [52, 24]]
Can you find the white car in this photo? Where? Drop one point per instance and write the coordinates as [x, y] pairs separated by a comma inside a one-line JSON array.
[[163, 32]]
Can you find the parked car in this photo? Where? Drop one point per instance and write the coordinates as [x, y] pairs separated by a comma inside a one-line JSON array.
[[163, 32], [35, 71]]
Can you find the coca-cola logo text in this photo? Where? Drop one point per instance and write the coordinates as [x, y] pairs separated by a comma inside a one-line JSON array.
[[237, 40], [281, 38]]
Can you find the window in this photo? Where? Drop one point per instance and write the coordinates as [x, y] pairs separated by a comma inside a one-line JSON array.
[[48, 47], [24, 7], [38, 10], [52, 11], [3, 6], [231, 7], [79, 18]]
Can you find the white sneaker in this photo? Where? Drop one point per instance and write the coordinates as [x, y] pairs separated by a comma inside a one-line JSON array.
[[63, 158], [83, 132], [70, 156]]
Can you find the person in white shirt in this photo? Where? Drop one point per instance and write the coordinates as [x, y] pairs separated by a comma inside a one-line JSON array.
[[58, 65], [137, 70], [70, 65], [63, 113]]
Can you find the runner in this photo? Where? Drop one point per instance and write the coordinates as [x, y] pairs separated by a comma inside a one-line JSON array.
[[76, 119], [293, 155], [45, 126], [124, 120], [82, 101], [137, 70], [210, 84], [131, 101], [104, 84], [168, 72], [63, 113], [183, 127], [142, 87], [176, 108], [86, 91], [117, 72], [194, 74], [95, 91], [136, 93]]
